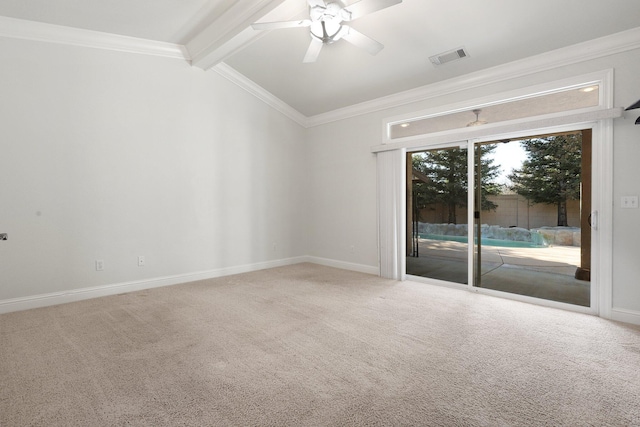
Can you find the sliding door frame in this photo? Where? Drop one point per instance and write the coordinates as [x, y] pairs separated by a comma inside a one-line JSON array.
[[600, 261], [599, 120]]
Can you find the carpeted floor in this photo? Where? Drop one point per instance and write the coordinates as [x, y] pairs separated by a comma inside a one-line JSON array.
[[307, 345]]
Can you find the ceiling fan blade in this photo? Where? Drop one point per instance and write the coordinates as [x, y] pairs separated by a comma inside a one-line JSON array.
[[313, 51], [282, 24], [365, 7], [358, 39]]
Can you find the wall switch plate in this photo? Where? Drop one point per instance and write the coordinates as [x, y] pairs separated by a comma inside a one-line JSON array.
[[629, 202], [99, 265], [140, 261]]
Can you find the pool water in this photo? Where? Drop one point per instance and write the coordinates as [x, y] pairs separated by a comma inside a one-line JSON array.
[[484, 241]]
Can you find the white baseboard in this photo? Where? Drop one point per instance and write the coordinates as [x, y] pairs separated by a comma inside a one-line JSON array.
[[63, 297], [624, 315], [343, 265]]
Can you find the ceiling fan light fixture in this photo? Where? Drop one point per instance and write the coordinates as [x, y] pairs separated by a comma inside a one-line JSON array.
[[327, 31]]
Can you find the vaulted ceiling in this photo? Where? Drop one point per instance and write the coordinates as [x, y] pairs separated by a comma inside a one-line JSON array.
[[217, 33]]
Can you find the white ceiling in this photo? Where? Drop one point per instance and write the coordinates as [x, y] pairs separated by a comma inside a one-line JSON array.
[[494, 32], [173, 21]]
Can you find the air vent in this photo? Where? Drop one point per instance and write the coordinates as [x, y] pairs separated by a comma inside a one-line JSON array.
[[449, 56]]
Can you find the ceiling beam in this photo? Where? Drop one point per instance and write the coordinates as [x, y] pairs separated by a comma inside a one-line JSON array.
[[232, 31]]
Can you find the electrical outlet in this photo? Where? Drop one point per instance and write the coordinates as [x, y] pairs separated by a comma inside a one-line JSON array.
[[629, 202], [141, 261], [275, 247], [99, 265]]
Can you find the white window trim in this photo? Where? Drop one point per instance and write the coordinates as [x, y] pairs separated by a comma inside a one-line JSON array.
[[599, 119], [604, 79]]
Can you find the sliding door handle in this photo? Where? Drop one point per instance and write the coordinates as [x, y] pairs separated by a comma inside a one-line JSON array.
[[593, 220]]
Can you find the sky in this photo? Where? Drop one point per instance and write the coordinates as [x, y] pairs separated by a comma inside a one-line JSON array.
[[508, 156]]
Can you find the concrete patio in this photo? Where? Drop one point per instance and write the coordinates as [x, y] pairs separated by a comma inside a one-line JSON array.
[[546, 273]]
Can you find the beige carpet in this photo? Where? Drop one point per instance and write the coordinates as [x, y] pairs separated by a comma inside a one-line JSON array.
[[313, 346]]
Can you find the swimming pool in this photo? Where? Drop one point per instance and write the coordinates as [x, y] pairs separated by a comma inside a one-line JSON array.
[[484, 241]]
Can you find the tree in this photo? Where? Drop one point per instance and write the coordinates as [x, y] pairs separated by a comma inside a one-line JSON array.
[[551, 173], [446, 174]]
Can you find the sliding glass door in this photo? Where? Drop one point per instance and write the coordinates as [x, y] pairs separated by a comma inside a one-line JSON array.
[[526, 214], [531, 217], [437, 232]]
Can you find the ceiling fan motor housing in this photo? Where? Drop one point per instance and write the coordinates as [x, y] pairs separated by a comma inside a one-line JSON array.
[[326, 22]]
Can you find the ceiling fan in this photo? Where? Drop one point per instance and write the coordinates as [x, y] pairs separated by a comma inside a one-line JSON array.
[[326, 24]]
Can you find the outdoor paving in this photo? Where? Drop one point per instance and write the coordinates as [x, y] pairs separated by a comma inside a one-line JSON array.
[[546, 273]]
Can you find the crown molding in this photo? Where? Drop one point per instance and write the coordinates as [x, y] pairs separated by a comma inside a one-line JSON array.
[[50, 33], [259, 92], [209, 54], [581, 52]]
